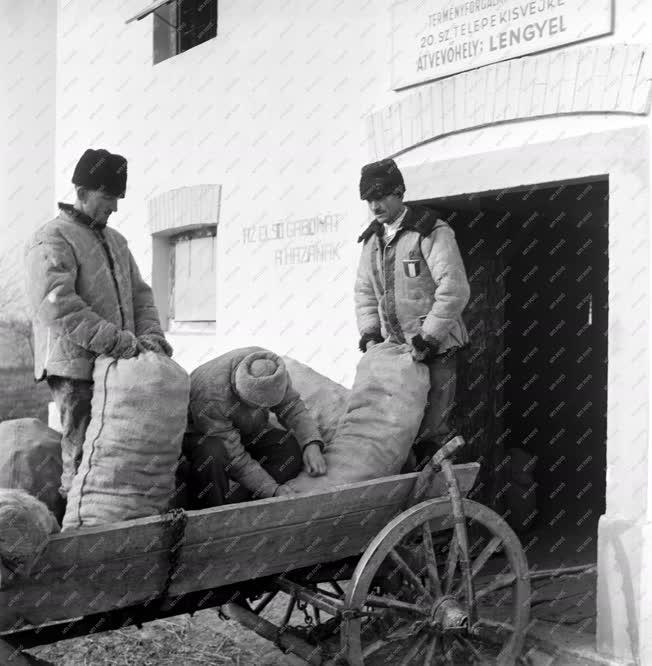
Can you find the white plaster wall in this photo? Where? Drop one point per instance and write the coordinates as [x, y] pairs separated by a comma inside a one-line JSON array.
[[513, 135], [268, 111]]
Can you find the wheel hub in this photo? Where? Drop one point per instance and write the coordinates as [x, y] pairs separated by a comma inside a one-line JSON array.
[[447, 615]]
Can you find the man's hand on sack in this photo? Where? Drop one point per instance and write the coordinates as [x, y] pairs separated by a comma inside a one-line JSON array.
[[155, 343], [368, 340], [127, 346], [284, 491], [423, 351], [313, 460]]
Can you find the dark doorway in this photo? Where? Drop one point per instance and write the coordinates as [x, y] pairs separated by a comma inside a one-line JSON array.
[[535, 374]]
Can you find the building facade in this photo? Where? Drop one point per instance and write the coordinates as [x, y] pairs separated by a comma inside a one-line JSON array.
[[527, 124]]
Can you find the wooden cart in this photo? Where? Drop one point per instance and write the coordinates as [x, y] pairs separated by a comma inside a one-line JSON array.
[[400, 570]]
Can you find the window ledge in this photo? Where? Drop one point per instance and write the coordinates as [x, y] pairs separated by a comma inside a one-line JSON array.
[[192, 328]]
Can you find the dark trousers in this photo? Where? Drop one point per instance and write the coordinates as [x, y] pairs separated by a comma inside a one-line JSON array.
[[73, 400], [202, 479], [436, 427]]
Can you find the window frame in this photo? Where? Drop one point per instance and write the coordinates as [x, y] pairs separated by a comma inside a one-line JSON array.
[[200, 231], [177, 31], [172, 212]]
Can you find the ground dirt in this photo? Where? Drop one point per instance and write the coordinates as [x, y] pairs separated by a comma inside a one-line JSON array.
[[204, 638]]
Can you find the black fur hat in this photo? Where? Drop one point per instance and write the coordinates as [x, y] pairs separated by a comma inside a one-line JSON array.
[[102, 170], [379, 179]]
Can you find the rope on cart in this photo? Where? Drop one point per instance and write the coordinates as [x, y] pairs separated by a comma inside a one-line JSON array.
[[174, 527]]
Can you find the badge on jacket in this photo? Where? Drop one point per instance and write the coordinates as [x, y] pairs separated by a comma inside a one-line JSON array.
[[412, 267]]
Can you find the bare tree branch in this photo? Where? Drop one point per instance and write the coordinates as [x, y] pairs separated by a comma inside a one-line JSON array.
[[16, 333]]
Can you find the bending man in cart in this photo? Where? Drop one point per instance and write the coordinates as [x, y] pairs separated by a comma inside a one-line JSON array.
[[230, 436], [411, 287]]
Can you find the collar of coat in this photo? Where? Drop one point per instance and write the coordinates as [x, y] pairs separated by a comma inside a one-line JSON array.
[[80, 217], [421, 220]]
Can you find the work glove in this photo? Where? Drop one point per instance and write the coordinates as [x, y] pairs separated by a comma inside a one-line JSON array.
[[127, 346], [423, 350], [368, 340], [155, 343], [313, 460]]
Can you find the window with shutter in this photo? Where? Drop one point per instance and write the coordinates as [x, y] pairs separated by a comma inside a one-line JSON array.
[[183, 223], [193, 271]]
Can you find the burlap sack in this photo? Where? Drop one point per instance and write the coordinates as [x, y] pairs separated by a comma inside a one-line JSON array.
[[381, 421], [25, 526], [30, 459], [325, 399], [132, 445]]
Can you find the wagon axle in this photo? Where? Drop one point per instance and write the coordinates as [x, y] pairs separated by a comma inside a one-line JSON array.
[[449, 616]]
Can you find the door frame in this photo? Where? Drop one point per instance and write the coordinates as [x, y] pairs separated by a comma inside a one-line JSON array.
[[625, 531]]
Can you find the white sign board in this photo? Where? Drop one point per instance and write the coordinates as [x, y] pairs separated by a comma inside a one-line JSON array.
[[436, 38]]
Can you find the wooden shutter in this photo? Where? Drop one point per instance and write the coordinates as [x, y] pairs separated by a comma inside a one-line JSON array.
[[194, 278], [164, 32]]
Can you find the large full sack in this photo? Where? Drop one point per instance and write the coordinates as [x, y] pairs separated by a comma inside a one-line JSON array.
[[25, 526], [381, 422], [325, 399], [30, 459], [133, 442]]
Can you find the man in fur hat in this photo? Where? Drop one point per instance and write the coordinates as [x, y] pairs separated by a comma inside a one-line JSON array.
[[411, 287], [87, 297], [230, 434]]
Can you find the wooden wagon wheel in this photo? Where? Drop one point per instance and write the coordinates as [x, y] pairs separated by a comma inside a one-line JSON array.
[[411, 601]]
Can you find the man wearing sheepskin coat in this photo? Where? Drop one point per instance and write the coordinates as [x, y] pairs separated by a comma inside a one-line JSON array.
[[411, 287], [87, 297]]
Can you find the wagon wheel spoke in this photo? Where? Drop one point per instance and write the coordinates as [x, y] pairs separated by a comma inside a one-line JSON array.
[[465, 642], [381, 643], [490, 631], [373, 648], [451, 563], [497, 583], [480, 561], [403, 576], [409, 574], [418, 646], [405, 634], [447, 651], [431, 560], [328, 593], [335, 585], [431, 653]]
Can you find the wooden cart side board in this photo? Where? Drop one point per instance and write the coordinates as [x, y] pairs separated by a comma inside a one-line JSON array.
[[135, 537], [98, 569]]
